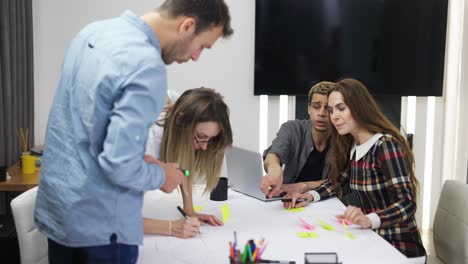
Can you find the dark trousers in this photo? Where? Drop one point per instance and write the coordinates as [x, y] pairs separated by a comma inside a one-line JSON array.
[[114, 253]]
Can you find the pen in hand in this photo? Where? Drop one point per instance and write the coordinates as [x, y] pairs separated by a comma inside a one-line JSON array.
[[182, 212], [185, 172]]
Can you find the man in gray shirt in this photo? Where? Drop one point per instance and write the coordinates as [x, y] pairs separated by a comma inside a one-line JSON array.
[[302, 147]]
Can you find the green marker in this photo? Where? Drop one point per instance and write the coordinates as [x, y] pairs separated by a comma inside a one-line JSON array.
[[185, 172]]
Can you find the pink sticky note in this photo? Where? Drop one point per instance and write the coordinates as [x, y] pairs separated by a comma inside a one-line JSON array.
[[346, 221], [306, 225]]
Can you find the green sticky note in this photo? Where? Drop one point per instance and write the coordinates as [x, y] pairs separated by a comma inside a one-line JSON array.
[[225, 212], [295, 210], [307, 234], [350, 235], [325, 225], [197, 208]]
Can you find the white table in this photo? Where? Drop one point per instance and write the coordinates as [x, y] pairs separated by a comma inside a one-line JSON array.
[[253, 219]]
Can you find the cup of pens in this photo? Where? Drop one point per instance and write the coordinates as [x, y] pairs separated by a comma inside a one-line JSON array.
[[250, 253]]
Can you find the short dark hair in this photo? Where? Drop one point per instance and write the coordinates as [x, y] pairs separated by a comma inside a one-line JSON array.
[[207, 13], [320, 88]]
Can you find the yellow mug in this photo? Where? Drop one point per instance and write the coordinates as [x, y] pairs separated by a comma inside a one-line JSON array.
[[28, 164]]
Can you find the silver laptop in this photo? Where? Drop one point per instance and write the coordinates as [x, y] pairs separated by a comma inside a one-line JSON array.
[[245, 172]]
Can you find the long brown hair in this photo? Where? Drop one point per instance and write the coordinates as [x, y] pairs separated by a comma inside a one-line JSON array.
[[368, 115], [195, 106]]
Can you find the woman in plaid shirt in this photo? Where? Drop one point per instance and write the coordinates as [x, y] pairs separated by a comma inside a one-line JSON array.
[[372, 161]]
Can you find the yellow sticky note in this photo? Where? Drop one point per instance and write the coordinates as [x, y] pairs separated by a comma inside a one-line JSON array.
[[349, 234], [225, 212], [325, 225], [197, 208], [295, 210], [307, 234]]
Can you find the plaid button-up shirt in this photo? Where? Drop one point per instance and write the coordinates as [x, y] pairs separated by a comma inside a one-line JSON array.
[[380, 182]]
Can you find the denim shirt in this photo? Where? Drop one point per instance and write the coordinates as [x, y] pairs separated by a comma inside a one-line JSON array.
[[293, 145], [112, 87]]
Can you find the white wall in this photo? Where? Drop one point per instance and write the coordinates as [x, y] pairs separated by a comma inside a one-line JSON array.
[[462, 155], [227, 67]]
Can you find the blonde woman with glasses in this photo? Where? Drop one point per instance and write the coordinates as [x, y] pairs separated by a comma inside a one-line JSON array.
[[194, 132]]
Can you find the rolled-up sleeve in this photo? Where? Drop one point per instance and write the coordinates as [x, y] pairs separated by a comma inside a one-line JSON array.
[[331, 188], [124, 146]]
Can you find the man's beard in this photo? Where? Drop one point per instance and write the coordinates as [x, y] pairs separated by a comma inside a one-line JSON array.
[[322, 130], [176, 49], [168, 56]]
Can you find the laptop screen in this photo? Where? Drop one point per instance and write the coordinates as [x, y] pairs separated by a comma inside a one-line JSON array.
[[245, 172]]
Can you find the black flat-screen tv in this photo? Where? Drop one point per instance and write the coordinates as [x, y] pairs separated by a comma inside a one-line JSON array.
[[394, 47]]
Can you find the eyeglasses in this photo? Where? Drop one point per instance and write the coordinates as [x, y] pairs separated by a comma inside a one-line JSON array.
[[209, 141]]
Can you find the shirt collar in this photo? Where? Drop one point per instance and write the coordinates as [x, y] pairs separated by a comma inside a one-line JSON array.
[[362, 149], [132, 18], [309, 142]]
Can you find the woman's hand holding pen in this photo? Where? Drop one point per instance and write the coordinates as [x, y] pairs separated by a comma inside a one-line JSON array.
[[209, 219], [296, 200], [185, 227]]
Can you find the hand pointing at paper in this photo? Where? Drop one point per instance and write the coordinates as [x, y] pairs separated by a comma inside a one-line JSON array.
[[271, 183]]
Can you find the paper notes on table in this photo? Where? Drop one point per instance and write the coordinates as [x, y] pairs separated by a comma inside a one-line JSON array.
[[225, 212], [197, 208], [307, 234], [349, 234], [306, 225], [295, 210], [340, 220], [325, 225]]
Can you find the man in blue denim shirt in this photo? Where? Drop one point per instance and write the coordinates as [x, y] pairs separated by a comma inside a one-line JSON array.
[[112, 87]]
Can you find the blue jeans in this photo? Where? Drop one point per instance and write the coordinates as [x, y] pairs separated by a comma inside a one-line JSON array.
[[114, 253]]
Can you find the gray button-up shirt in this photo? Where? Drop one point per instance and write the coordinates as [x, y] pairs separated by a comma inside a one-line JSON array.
[[293, 145]]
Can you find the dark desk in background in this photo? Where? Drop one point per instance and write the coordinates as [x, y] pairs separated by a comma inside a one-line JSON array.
[[19, 182]]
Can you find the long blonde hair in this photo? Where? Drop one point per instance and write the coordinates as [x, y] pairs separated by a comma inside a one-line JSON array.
[[195, 106], [368, 115]]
